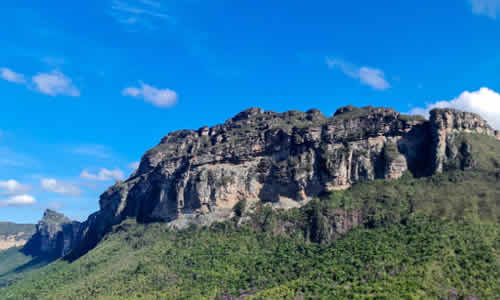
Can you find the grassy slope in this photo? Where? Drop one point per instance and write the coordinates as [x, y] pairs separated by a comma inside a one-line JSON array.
[[424, 238], [422, 259], [14, 265]]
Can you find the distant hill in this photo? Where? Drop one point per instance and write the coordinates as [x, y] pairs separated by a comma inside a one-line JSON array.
[[15, 235]]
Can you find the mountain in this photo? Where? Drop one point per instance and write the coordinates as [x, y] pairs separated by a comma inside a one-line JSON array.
[[55, 236], [367, 203], [286, 159], [14, 235]]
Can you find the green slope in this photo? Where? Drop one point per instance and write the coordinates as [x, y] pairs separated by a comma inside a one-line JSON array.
[[15, 265], [422, 259]]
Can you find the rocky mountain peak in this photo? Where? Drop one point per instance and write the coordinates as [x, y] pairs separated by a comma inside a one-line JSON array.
[[247, 114], [367, 111], [55, 235], [284, 159], [53, 217], [450, 120]]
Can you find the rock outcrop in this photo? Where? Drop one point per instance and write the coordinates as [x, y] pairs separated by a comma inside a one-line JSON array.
[[286, 159], [447, 125], [56, 235]]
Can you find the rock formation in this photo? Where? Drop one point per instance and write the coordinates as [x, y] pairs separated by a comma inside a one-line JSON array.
[[286, 159], [447, 124], [55, 236]]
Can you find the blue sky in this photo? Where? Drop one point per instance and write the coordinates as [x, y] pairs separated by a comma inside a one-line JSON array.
[[88, 86]]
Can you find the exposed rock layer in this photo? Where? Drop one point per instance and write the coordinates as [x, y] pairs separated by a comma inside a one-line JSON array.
[[197, 176], [56, 235]]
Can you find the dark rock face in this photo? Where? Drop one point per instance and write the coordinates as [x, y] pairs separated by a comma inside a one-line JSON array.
[[55, 236], [286, 159]]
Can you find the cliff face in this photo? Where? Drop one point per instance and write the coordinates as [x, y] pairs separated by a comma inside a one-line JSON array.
[[447, 125], [197, 176], [55, 236], [285, 159]]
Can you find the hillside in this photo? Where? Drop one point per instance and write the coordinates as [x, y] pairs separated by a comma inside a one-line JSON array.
[[395, 253], [368, 203]]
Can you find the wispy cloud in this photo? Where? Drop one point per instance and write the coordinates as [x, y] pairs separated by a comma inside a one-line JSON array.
[[366, 75], [19, 200], [11, 76], [59, 187], [489, 8], [13, 187], [151, 3], [138, 12], [55, 83], [103, 175], [158, 97], [9, 158], [99, 151], [134, 165], [484, 102]]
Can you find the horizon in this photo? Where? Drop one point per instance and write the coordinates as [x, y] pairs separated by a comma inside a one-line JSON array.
[[81, 108]]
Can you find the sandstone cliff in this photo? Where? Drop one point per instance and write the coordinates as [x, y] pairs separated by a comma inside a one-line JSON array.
[[55, 236], [286, 159]]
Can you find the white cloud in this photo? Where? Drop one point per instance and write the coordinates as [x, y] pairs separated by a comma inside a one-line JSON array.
[[12, 187], [103, 175], [138, 13], [488, 8], [99, 151], [56, 186], [19, 200], [158, 97], [134, 165], [55, 83], [366, 75], [11, 76], [484, 102]]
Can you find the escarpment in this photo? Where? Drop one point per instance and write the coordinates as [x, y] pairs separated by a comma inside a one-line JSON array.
[[55, 236], [286, 159]]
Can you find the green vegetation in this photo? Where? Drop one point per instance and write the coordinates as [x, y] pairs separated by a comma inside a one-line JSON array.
[[14, 265], [424, 258], [418, 118]]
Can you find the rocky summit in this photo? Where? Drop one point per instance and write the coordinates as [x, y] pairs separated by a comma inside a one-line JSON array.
[[55, 236], [285, 159]]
